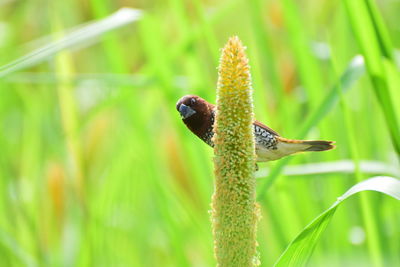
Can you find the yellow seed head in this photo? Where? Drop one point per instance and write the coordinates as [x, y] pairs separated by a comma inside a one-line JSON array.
[[234, 212]]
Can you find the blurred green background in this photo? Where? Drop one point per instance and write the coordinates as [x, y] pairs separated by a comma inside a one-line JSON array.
[[97, 169]]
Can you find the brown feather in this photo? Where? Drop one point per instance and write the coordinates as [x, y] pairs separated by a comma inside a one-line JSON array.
[[265, 127], [201, 123], [314, 145]]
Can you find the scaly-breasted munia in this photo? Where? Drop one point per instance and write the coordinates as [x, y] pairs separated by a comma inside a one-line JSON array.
[[198, 115]]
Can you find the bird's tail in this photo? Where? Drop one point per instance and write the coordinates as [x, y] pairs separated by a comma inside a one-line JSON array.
[[304, 145], [319, 145]]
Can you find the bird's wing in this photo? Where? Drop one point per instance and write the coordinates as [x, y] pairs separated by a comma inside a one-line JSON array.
[[259, 124]]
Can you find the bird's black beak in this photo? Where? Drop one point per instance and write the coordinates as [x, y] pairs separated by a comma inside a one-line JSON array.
[[185, 111]]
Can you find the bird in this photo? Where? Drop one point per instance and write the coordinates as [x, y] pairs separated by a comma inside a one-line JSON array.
[[199, 117]]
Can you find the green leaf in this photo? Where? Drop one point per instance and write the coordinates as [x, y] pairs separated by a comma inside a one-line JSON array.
[[300, 249], [88, 33], [372, 37]]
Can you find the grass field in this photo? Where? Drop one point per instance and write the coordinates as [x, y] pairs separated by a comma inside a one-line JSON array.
[[97, 168]]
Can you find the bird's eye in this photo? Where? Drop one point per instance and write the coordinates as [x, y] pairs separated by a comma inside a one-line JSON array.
[[192, 101]]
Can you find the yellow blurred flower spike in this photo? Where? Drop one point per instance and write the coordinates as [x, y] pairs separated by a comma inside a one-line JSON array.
[[234, 210]]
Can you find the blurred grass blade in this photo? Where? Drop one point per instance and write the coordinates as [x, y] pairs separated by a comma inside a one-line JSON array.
[[353, 72], [307, 65], [375, 46], [341, 166], [385, 43], [79, 36], [12, 245], [300, 249]]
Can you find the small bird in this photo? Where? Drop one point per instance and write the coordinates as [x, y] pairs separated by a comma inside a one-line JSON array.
[[199, 115]]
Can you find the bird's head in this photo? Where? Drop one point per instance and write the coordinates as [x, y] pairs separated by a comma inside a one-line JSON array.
[[196, 113], [192, 107]]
